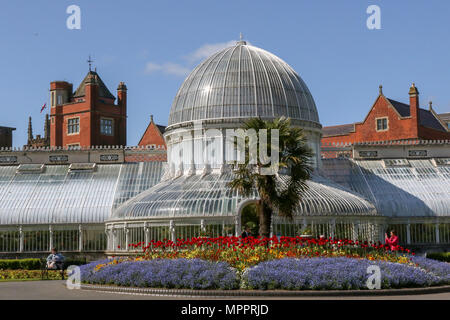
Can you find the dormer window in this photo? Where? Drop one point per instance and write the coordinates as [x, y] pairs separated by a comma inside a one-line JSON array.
[[382, 124]]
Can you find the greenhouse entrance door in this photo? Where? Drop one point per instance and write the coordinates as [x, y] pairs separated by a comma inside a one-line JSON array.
[[249, 218]]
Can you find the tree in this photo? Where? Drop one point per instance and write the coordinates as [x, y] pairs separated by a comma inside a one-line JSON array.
[[282, 191]]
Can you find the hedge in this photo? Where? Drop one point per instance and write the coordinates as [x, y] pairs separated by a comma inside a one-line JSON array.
[[23, 264], [32, 264], [440, 256]]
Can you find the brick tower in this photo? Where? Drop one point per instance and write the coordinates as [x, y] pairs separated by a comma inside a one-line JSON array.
[[88, 116]]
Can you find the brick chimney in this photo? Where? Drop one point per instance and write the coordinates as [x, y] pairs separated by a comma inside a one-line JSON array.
[[122, 102], [91, 90], [122, 97], [414, 108]]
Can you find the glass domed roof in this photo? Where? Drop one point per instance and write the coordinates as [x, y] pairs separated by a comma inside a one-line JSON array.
[[239, 82], [210, 196]]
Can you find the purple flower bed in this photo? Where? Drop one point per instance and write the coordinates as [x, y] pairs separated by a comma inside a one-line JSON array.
[[440, 269], [287, 274], [334, 274], [163, 273]]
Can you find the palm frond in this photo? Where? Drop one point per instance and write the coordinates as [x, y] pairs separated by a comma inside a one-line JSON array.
[[282, 195]]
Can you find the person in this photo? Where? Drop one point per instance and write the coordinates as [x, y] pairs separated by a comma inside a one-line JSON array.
[[246, 233], [55, 260], [391, 241]]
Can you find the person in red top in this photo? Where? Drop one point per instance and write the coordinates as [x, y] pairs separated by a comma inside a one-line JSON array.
[[392, 241]]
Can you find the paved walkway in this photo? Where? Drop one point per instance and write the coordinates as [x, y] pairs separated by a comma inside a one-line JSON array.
[[55, 290]]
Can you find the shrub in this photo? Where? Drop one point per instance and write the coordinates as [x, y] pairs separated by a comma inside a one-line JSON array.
[[23, 264], [75, 262], [440, 256], [33, 264]]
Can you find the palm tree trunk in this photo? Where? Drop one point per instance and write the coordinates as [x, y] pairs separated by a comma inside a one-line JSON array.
[[265, 218]]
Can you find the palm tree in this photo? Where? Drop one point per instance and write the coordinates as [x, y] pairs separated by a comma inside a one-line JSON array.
[[280, 192]]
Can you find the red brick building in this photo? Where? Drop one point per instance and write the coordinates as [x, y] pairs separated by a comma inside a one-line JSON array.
[[88, 116], [390, 120], [153, 135]]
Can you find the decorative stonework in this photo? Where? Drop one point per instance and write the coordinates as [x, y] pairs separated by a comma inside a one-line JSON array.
[[8, 159], [109, 157], [58, 158], [368, 154], [417, 153]]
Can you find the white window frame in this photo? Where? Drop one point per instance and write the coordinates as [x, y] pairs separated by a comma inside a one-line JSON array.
[[387, 124], [112, 127], [79, 124]]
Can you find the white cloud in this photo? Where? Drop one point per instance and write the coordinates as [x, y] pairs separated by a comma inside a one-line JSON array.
[[152, 67], [183, 69], [167, 68], [207, 50]]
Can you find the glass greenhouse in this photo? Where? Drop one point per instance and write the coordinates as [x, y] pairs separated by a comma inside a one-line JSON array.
[[44, 206], [345, 198], [105, 207]]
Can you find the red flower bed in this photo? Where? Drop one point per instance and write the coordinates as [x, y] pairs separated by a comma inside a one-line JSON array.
[[242, 253]]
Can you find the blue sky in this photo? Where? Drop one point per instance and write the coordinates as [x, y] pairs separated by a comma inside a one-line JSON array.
[[151, 45]]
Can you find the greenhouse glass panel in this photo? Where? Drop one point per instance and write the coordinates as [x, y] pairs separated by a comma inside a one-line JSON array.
[[94, 240], [9, 241], [36, 241], [66, 240]]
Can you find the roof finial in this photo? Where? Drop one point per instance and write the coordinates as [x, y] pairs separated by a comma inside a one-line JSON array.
[[381, 89], [241, 41], [89, 61], [151, 118], [431, 105]]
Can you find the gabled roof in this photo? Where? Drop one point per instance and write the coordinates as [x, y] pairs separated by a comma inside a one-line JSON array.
[[161, 128], [148, 132], [338, 130], [103, 91], [402, 108], [426, 117]]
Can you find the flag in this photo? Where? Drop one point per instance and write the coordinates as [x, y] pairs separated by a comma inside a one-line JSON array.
[[43, 107]]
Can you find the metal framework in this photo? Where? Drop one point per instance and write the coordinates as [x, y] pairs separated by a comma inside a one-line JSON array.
[[239, 82], [98, 207], [189, 206], [65, 206]]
